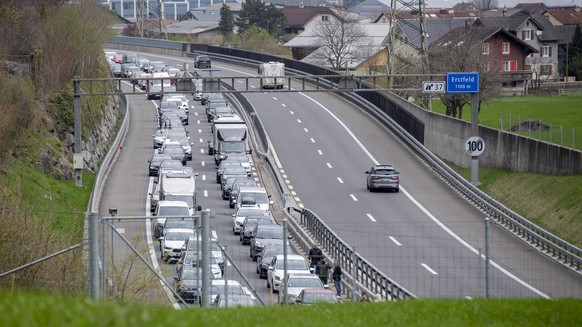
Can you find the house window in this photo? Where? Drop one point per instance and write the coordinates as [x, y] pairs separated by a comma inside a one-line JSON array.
[[509, 66], [485, 48], [527, 35], [324, 18], [546, 70], [505, 47], [545, 51]]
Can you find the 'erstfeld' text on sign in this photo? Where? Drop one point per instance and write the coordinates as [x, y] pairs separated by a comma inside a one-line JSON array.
[[463, 82]]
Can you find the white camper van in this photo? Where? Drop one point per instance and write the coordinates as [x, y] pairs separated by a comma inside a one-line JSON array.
[[272, 75]]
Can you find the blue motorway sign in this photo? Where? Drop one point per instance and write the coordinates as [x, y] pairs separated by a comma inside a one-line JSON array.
[[463, 82]]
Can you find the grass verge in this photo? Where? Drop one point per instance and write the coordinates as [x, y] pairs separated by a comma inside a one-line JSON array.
[[24, 309]]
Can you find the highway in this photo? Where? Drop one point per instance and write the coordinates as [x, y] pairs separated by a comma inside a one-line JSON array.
[[425, 237]]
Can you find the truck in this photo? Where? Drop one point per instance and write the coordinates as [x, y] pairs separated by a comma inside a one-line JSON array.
[[272, 75], [155, 87], [179, 185], [229, 135]]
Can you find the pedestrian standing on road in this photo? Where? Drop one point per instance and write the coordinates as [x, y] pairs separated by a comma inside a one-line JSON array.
[[337, 277], [324, 268], [315, 254]]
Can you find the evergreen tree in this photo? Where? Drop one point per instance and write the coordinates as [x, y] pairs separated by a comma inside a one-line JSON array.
[[252, 12], [226, 23], [575, 54]]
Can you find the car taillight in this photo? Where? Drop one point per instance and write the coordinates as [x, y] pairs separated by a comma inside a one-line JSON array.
[[375, 177], [394, 178]]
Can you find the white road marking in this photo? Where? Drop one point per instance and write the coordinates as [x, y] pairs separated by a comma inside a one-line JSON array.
[[423, 209], [201, 140], [297, 199], [274, 98], [284, 176], [312, 140], [203, 177], [203, 163], [198, 122], [293, 193], [429, 269], [328, 165], [284, 105], [205, 193], [287, 181], [371, 218], [199, 131], [340, 180], [320, 153], [291, 112], [394, 240], [354, 197], [299, 121], [290, 187], [301, 206], [306, 131], [201, 150]]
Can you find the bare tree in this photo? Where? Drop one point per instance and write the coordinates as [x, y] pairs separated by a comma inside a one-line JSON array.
[[339, 40], [461, 51], [486, 4]]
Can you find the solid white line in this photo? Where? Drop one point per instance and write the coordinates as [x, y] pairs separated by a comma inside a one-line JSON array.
[[328, 165], [429, 269], [340, 180], [432, 217], [394, 240], [371, 218], [354, 197], [319, 151]]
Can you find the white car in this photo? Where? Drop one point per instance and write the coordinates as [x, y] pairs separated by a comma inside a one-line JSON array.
[[181, 103], [295, 283], [296, 264], [169, 208], [222, 286], [241, 213], [172, 241]]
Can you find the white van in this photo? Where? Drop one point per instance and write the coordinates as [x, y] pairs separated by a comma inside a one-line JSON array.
[[163, 84], [259, 193]]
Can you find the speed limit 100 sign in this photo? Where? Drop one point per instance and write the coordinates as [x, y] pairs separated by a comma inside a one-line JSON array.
[[474, 146]]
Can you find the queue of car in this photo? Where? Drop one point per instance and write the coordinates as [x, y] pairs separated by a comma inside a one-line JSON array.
[[174, 197]]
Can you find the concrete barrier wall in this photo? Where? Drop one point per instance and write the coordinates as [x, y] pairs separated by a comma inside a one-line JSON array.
[[445, 137]]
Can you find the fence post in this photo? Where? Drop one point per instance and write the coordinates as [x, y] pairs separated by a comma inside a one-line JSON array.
[[354, 272], [93, 256]]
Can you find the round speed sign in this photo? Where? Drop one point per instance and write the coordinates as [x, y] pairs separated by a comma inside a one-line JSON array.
[[474, 146]]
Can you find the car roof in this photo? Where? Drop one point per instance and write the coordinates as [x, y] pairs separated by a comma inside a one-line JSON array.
[[290, 256], [252, 189]]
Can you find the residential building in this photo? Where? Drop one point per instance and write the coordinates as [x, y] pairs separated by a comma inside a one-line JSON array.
[[569, 16], [370, 8], [491, 50], [537, 31], [300, 18], [170, 9]]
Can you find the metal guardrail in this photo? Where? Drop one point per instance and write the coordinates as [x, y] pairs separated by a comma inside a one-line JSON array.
[[553, 246]]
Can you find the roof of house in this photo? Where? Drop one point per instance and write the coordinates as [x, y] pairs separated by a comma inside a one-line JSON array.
[[567, 33], [478, 34], [370, 8], [515, 22], [532, 8], [191, 27], [298, 16], [505, 12], [436, 29], [567, 16], [433, 13], [211, 13]]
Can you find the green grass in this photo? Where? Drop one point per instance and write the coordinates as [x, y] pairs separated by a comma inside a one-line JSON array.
[[551, 202], [563, 113], [31, 310]]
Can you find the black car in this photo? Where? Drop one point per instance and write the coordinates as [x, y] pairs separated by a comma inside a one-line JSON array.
[[154, 163], [249, 224], [202, 61]]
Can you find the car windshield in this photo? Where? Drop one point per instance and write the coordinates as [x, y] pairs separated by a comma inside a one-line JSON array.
[[238, 302], [191, 274], [171, 164], [295, 264], [232, 289], [272, 233], [245, 212], [235, 171], [180, 223], [260, 197], [174, 150], [236, 146], [178, 236], [313, 297], [193, 245], [304, 282], [173, 211]]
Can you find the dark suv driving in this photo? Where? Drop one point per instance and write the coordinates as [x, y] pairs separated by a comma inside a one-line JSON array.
[[202, 61], [382, 177]]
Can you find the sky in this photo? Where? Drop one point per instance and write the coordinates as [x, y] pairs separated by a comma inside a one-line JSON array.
[[508, 3]]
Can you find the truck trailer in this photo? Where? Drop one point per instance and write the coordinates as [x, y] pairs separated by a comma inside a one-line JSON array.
[[272, 75]]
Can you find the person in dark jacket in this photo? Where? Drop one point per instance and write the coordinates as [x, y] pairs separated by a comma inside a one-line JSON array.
[[337, 277], [315, 254], [324, 268]]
